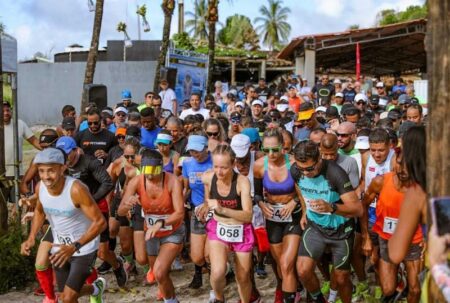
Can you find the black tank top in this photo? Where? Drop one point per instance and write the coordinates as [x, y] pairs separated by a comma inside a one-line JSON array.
[[232, 201]]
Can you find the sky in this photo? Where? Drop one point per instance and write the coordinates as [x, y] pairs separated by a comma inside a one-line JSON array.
[[48, 26]]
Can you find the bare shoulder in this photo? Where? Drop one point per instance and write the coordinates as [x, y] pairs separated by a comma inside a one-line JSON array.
[[207, 177]]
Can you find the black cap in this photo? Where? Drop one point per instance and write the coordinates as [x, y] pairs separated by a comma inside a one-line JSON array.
[[404, 99], [68, 123], [332, 113], [133, 131], [375, 99], [235, 115], [306, 106], [274, 114], [394, 114], [6, 103], [414, 100]]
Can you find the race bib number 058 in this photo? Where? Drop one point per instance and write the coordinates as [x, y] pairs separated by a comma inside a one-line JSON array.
[[151, 220], [230, 233]]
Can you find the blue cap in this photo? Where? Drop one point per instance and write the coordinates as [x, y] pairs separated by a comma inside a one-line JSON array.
[[126, 94], [49, 156], [67, 144], [252, 133], [197, 143]]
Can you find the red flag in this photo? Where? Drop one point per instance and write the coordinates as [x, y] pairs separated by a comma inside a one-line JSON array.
[[358, 62]]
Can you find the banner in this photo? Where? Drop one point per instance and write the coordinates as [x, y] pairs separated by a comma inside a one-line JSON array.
[[192, 71], [9, 53]]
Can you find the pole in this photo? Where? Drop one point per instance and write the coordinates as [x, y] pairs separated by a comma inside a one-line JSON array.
[[180, 16], [17, 162], [358, 62], [139, 24], [3, 188]]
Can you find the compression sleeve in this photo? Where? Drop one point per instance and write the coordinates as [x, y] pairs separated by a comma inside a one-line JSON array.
[[258, 182], [100, 174], [338, 178]]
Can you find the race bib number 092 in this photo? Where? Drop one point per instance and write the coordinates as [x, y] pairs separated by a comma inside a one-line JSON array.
[[230, 233], [151, 220]]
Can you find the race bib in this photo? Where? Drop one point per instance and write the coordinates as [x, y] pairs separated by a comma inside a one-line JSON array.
[[151, 220], [308, 206], [230, 233], [209, 214], [65, 239], [276, 216], [389, 225]]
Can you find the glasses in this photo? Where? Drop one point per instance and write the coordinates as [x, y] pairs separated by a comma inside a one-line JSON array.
[[120, 137], [343, 135], [307, 169], [211, 134], [235, 121], [93, 123], [129, 157], [360, 102], [268, 150]]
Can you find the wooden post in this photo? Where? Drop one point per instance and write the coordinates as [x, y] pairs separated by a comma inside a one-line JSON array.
[[3, 207], [233, 72]]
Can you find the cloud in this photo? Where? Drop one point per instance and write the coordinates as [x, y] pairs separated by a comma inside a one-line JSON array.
[[331, 8]]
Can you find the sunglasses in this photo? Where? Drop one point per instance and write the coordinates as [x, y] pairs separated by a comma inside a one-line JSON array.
[[120, 137], [129, 157], [343, 135], [211, 134], [235, 121], [360, 102], [274, 150], [307, 169], [157, 105], [94, 123]]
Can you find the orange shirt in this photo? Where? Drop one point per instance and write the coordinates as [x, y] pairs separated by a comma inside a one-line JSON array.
[[294, 103]]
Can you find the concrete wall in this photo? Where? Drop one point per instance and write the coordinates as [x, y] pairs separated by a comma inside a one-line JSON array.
[[43, 89]]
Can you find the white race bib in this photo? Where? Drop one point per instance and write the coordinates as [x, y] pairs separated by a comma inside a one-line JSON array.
[[276, 216], [230, 233], [209, 214], [151, 220], [389, 225], [308, 206], [65, 239]]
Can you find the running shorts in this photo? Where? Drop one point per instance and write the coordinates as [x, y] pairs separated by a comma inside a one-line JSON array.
[[197, 227], [115, 203], [177, 237], [277, 230], [137, 220], [248, 238], [414, 251]]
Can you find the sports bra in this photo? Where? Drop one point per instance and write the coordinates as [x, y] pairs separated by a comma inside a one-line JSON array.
[[168, 168], [232, 200], [287, 186]]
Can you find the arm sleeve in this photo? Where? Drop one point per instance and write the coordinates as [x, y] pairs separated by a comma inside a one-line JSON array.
[[258, 183], [100, 174], [338, 178]]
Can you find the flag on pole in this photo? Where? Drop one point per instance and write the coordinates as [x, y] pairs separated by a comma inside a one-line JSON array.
[[358, 62]]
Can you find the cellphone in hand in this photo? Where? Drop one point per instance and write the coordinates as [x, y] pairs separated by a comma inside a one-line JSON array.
[[440, 211]]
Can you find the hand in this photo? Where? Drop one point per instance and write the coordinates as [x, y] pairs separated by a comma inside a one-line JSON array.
[[151, 231], [212, 203], [28, 201], [303, 222], [99, 153], [266, 209], [437, 248], [320, 206], [366, 246], [25, 248], [201, 212], [132, 201], [288, 208], [63, 255], [28, 217]]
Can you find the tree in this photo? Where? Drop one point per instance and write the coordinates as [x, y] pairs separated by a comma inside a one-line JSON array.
[[93, 52], [390, 16], [212, 17], [167, 6], [274, 28], [353, 26], [197, 26], [3, 207], [239, 33], [2, 27]]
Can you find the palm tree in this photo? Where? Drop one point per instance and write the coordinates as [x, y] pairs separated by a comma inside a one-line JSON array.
[[212, 17], [274, 28], [239, 33], [167, 6], [93, 52], [197, 26]]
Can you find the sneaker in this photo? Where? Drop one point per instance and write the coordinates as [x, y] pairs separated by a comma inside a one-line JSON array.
[[325, 287], [378, 292], [176, 265], [254, 298], [359, 291], [197, 281], [130, 268], [104, 268], [278, 296], [212, 296], [261, 271], [48, 300], [151, 277], [121, 274], [159, 296], [100, 283], [39, 292]]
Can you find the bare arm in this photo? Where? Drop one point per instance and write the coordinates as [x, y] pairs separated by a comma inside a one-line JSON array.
[[38, 219], [351, 207], [177, 201], [128, 197], [27, 178], [35, 142]]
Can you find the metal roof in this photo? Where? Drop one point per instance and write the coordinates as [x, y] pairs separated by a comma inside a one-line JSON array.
[[386, 49]]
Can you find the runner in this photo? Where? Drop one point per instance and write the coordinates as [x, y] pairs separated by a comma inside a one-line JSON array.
[[162, 205], [329, 203], [192, 170], [390, 189], [230, 229], [276, 195], [170, 157], [76, 223]]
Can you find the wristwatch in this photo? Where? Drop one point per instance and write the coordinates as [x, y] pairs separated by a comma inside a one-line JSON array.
[[333, 207], [77, 246]]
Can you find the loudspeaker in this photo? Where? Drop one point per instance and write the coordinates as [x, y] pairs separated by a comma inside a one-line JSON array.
[[170, 74], [97, 93]]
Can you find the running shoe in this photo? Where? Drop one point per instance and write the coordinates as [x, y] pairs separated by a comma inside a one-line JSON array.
[[278, 296], [100, 283], [48, 300], [359, 291], [176, 265], [378, 292], [197, 281], [130, 268], [39, 292], [212, 296], [104, 268], [121, 274], [325, 287], [151, 277], [261, 271], [254, 298], [159, 296]]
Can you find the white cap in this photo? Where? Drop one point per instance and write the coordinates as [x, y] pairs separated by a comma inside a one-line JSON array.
[[337, 81], [281, 107], [321, 109], [339, 95], [240, 144], [383, 101], [362, 142], [120, 109], [258, 102], [424, 111], [240, 103], [285, 98], [360, 97], [384, 115], [380, 84]]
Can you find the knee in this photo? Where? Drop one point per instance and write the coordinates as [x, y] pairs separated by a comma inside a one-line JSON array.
[[160, 273], [126, 247], [197, 259], [304, 272], [414, 290], [286, 266], [141, 258], [68, 298], [242, 276], [102, 252], [342, 278], [388, 287], [218, 272]]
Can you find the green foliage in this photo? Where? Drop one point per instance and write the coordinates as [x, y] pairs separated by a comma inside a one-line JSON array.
[[239, 32], [222, 51], [390, 16], [197, 26], [16, 270], [183, 41], [353, 26]]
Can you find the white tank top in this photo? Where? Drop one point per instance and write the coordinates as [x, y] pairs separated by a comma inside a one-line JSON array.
[[373, 169], [250, 173], [67, 221]]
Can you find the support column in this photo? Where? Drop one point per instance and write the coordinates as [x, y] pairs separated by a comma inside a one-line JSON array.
[[233, 72], [300, 66], [310, 66], [262, 71]]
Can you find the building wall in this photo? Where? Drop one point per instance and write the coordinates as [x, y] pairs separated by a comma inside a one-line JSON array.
[[44, 88]]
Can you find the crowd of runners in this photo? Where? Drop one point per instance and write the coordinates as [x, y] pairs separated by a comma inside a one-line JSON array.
[[325, 184]]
